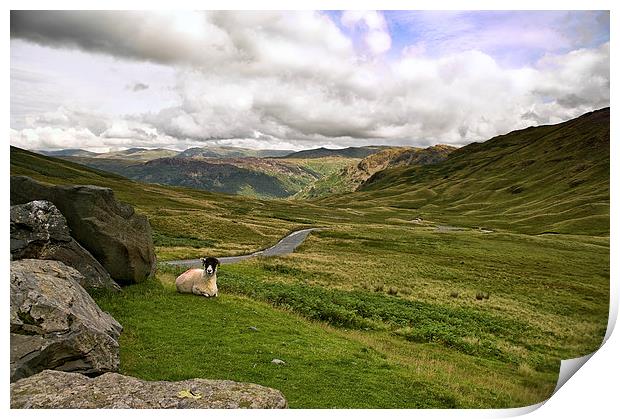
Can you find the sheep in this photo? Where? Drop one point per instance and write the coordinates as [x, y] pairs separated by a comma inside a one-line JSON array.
[[200, 281]]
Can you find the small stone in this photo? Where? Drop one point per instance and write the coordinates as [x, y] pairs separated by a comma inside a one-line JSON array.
[[277, 361], [253, 328]]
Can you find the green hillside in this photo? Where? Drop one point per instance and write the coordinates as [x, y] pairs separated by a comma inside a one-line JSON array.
[[548, 179], [247, 176], [137, 154], [222, 152], [185, 221], [382, 308], [76, 152], [350, 177], [258, 178]]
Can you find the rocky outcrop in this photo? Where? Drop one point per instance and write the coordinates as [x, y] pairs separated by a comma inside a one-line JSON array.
[[111, 231], [54, 389], [55, 324], [39, 231], [397, 157], [355, 175]]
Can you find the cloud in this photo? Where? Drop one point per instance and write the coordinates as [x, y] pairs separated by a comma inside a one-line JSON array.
[[67, 129], [376, 36], [52, 138], [250, 41], [168, 38], [287, 80], [579, 78], [136, 87], [456, 99]]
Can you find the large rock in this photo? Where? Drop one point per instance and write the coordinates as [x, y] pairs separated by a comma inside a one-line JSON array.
[[39, 231], [55, 324], [111, 231], [53, 389]]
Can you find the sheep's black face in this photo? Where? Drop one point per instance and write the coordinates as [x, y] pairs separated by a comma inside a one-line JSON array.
[[210, 265]]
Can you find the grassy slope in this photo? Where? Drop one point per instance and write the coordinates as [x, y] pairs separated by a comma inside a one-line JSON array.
[[186, 222], [325, 367], [138, 154], [247, 176], [231, 152], [543, 179], [351, 176], [377, 311], [189, 222]]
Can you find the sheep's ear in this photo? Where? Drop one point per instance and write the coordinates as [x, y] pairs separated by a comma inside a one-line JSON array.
[[203, 260], [217, 262]]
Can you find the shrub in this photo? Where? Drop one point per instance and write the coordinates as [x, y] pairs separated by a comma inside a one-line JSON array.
[[516, 189], [165, 240], [282, 269], [454, 294], [481, 295], [417, 321], [392, 291]]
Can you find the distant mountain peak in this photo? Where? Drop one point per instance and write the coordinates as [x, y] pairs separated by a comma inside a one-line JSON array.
[[350, 152]]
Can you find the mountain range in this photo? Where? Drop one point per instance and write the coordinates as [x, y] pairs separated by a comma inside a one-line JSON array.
[[544, 179], [257, 173]]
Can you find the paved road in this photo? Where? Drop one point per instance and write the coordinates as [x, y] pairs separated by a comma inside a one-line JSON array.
[[285, 246]]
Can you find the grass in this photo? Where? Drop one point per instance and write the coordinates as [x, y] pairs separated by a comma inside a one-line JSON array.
[[356, 172], [559, 290], [235, 337], [389, 306], [545, 179], [549, 302]]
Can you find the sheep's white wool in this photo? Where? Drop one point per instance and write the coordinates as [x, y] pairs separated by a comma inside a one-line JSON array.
[[196, 281]]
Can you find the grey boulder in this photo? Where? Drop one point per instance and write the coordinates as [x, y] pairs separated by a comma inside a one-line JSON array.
[[54, 389], [39, 231], [111, 231], [55, 324]]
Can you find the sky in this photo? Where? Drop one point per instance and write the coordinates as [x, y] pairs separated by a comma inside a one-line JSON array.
[[108, 80]]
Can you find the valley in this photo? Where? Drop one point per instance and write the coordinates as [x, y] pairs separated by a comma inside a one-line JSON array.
[[252, 173], [380, 308], [257, 173]]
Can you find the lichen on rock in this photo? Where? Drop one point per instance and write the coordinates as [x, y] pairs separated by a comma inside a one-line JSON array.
[[55, 324], [55, 389], [40, 231]]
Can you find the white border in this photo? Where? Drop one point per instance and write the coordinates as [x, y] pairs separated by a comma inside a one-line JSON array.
[[593, 390]]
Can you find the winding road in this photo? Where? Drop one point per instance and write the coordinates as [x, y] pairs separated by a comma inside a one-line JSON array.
[[285, 246]]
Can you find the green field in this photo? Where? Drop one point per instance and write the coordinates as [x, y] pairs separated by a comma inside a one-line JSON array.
[[265, 178], [382, 308]]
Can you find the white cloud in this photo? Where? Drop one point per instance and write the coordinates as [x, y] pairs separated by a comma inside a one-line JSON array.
[[377, 36], [578, 78], [52, 137], [280, 80]]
